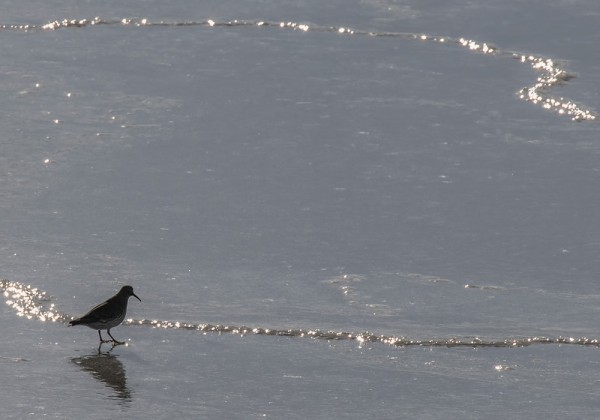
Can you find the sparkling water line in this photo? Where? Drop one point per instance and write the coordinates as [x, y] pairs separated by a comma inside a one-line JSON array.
[[366, 337], [35, 304], [30, 302], [538, 93]]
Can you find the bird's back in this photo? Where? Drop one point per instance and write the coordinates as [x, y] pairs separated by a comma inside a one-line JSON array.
[[106, 315]]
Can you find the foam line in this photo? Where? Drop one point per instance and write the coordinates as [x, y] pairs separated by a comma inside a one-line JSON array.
[[35, 304], [551, 74]]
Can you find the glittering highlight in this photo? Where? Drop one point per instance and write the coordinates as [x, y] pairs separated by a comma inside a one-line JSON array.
[[552, 75], [35, 304], [30, 302]]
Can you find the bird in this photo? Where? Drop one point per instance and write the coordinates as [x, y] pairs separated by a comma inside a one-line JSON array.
[[107, 315]]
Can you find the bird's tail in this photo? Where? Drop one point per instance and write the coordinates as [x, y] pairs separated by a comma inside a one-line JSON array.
[[74, 322]]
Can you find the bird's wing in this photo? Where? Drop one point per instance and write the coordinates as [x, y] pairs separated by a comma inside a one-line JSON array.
[[101, 312]]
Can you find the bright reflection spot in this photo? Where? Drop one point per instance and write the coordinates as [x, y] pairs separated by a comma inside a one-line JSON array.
[[551, 76], [65, 23], [29, 302]]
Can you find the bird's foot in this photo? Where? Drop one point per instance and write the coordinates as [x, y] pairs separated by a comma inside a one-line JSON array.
[[115, 342]]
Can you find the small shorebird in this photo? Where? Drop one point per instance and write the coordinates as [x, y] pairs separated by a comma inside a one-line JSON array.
[[108, 314]]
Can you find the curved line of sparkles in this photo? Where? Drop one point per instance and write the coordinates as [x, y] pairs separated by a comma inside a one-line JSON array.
[[33, 303], [552, 75], [365, 337]]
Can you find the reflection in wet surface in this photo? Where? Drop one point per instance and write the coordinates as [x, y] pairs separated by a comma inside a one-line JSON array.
[[109, 370]]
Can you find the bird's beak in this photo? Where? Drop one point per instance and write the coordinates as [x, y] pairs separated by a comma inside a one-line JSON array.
[[133, 294]]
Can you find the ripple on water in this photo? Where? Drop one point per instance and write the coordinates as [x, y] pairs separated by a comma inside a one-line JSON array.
[[35, 304], [538, 93]]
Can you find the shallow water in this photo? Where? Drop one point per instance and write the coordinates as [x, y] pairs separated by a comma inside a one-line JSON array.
[[369, 209]]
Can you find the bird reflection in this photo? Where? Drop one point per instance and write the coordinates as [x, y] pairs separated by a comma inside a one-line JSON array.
[[109, 370]]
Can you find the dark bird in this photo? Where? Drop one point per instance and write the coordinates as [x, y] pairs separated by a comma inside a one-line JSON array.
[[108, 314]]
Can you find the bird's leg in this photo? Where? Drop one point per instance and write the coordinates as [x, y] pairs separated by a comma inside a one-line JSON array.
[[101, 339], [113, 338]]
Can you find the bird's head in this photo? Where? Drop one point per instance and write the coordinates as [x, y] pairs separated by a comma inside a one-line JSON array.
[[128, 291]]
